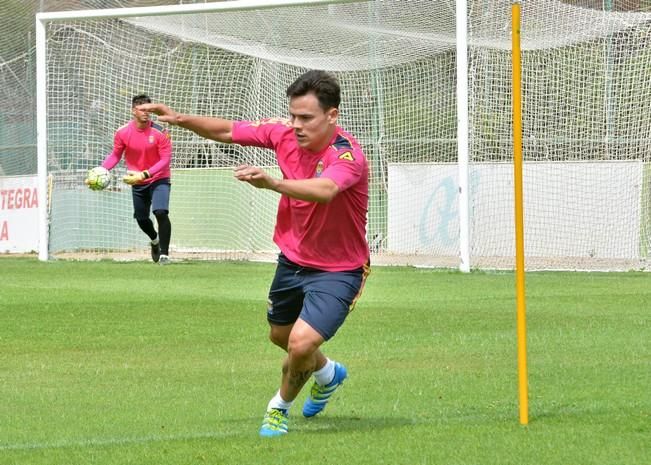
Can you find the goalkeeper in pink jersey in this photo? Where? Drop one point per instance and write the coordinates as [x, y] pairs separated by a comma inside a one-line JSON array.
[[147, 151], [320, 231]]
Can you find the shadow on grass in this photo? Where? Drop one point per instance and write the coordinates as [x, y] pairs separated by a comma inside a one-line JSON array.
[[338, 424]]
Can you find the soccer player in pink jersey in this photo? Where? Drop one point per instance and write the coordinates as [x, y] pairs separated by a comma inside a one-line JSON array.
[[147, 151], [320, 231]]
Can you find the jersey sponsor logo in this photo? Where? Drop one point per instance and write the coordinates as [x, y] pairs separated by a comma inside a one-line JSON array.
[[347, 156], [319, 169]]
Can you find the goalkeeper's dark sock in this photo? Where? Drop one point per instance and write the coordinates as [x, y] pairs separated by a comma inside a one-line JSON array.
[[147, 227], [164, 231]]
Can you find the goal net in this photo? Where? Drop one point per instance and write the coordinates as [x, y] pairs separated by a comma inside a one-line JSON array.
[[587, 126]]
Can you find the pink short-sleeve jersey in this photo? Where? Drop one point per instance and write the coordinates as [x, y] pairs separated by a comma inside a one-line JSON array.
[[144, 149], [326, 236]]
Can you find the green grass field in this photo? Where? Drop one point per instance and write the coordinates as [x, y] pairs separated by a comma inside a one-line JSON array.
[[131, 363]]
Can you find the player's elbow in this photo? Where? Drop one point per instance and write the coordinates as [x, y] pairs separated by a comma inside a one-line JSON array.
[[225, 137], [222, 130], [328, 192]]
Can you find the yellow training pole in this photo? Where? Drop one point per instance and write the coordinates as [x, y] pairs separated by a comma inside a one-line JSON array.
[[519, 216]]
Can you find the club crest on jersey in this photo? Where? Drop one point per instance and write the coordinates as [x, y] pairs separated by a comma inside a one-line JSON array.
[[319, 169], [347, 156], [151, 139]]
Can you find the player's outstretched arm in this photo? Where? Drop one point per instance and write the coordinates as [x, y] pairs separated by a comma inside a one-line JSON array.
[[210, 128], [321, 190]]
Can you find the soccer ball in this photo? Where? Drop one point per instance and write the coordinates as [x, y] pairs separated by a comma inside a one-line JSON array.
[[98, 178]]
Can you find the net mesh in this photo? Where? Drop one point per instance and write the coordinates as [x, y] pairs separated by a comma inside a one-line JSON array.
[[17, 75], [586, 126]]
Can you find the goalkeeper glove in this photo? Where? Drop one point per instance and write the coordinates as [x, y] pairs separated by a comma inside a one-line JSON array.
[[135, 177]]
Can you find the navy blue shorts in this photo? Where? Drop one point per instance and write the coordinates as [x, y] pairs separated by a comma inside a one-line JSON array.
[[323, 299], [150, 197]]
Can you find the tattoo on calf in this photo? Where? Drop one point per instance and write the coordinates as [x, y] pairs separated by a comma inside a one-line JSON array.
[[298, 379]]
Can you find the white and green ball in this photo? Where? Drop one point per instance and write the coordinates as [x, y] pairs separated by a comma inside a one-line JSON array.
[[99, 178]]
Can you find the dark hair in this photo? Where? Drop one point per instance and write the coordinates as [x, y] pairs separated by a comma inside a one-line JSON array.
[[140, 99], [324, 85]]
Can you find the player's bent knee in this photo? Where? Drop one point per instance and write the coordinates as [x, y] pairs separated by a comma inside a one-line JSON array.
[[160, 214], [304, 338], [278, 336], [277, 341], [301, 347]]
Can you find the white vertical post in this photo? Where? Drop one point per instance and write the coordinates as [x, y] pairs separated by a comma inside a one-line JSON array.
[[41, 139], [462, 134]]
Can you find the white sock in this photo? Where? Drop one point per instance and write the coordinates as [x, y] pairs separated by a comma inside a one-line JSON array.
[[326, 374], [279, 403], [155, 241]]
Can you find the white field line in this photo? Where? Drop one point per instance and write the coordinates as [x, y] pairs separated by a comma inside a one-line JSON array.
[[112, 441]]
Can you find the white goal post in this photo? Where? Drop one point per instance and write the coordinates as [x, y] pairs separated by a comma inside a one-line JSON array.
[[425, 89]]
